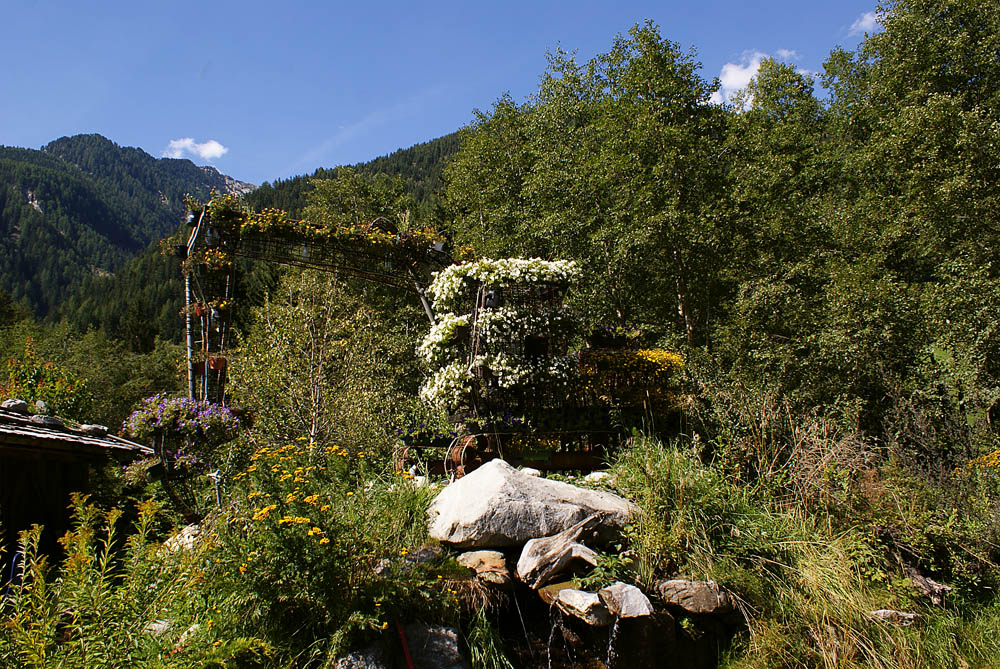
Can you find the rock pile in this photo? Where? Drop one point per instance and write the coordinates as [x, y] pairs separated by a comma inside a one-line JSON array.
[[550, 530]]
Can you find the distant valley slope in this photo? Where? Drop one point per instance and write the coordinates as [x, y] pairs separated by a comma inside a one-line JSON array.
[[81, 207], [79, 220]]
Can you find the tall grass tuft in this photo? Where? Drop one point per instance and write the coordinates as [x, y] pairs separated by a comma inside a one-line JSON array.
[[804, 580]]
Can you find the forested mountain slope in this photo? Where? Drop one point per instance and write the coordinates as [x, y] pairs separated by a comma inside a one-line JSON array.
[[420, 166], [144, 296], [81, 207]]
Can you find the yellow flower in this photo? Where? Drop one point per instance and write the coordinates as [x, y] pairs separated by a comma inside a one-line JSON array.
[[324, 540], [261, 514]]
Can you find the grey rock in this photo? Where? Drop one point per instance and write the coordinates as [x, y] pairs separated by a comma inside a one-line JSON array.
[[189, 634], [625, 601], [434, 647], [899, 618], [586, 606], [372, 657], [15, 405], [531, 471], [597, 477], [543, 559], [183, 540], [94, 430], [701, 597], [46, 421], [158, 627], [497, 506], [548, 593], [934, 590], [422, 555], [41, 407], [490, 567]]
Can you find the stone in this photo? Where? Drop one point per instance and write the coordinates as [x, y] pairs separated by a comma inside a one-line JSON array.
[[550, 592], [625, 601], [931, 588], [189, 634], [899, 618], [597, 477], [15, 405], [531, 471], [490, 567], [544, 558], [586, 606], [183, 540], [497, 506], [94, 430], [41, 407], [46, 421], [422, 555], [158, 627], [434, 647], [372, 657], [700, 597]]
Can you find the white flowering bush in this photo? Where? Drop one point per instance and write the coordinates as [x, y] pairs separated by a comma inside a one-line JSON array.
[[501, 333], [440, 345], [452, 283], [449, 385]]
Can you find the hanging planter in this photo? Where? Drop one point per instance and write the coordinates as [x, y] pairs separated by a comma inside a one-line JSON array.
[[200, 309], [217, 363]]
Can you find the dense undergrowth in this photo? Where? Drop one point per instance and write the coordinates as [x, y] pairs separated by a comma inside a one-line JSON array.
[[826, 268]]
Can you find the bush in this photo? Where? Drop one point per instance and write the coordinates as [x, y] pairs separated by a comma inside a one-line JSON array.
[[112, 602], [807, 577], [314, 550]]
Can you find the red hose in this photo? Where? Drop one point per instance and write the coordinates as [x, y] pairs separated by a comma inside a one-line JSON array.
[[406, 648]]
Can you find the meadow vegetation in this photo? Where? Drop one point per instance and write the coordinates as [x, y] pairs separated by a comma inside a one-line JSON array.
[[825, 267]]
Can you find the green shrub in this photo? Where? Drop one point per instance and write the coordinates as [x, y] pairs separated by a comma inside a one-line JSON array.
[[805, 577], [315, 553], [113, 601]]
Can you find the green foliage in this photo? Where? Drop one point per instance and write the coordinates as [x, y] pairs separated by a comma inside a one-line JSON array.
[[591, 169], [32, 379], [807, 575], [114, 601], [116, 377], [320, 361], [315, 549]]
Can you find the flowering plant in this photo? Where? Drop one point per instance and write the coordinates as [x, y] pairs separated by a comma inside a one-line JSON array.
[[180, 417], [514, 341], [452, 283], [439, 344]]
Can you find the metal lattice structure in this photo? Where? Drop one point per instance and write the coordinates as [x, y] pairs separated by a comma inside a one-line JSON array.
[[397, 259]]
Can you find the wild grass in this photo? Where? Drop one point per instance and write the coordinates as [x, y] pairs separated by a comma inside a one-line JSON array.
[[805, 574]]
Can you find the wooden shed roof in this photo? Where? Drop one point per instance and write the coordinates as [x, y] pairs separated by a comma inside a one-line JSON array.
[[24, 434]]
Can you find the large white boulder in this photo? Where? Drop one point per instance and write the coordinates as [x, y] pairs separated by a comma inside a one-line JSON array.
[[497, 506]]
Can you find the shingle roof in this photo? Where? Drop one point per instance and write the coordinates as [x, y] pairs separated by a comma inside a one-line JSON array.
[[22, 432]]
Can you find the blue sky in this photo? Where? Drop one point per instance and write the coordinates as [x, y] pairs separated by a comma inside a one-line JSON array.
[[271, 90]]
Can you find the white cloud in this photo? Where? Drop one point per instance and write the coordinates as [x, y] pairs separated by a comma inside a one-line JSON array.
[[209, 150], [866, 23], [736, 76]]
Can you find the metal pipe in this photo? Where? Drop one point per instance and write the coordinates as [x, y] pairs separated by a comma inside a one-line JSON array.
[[190, 334]]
